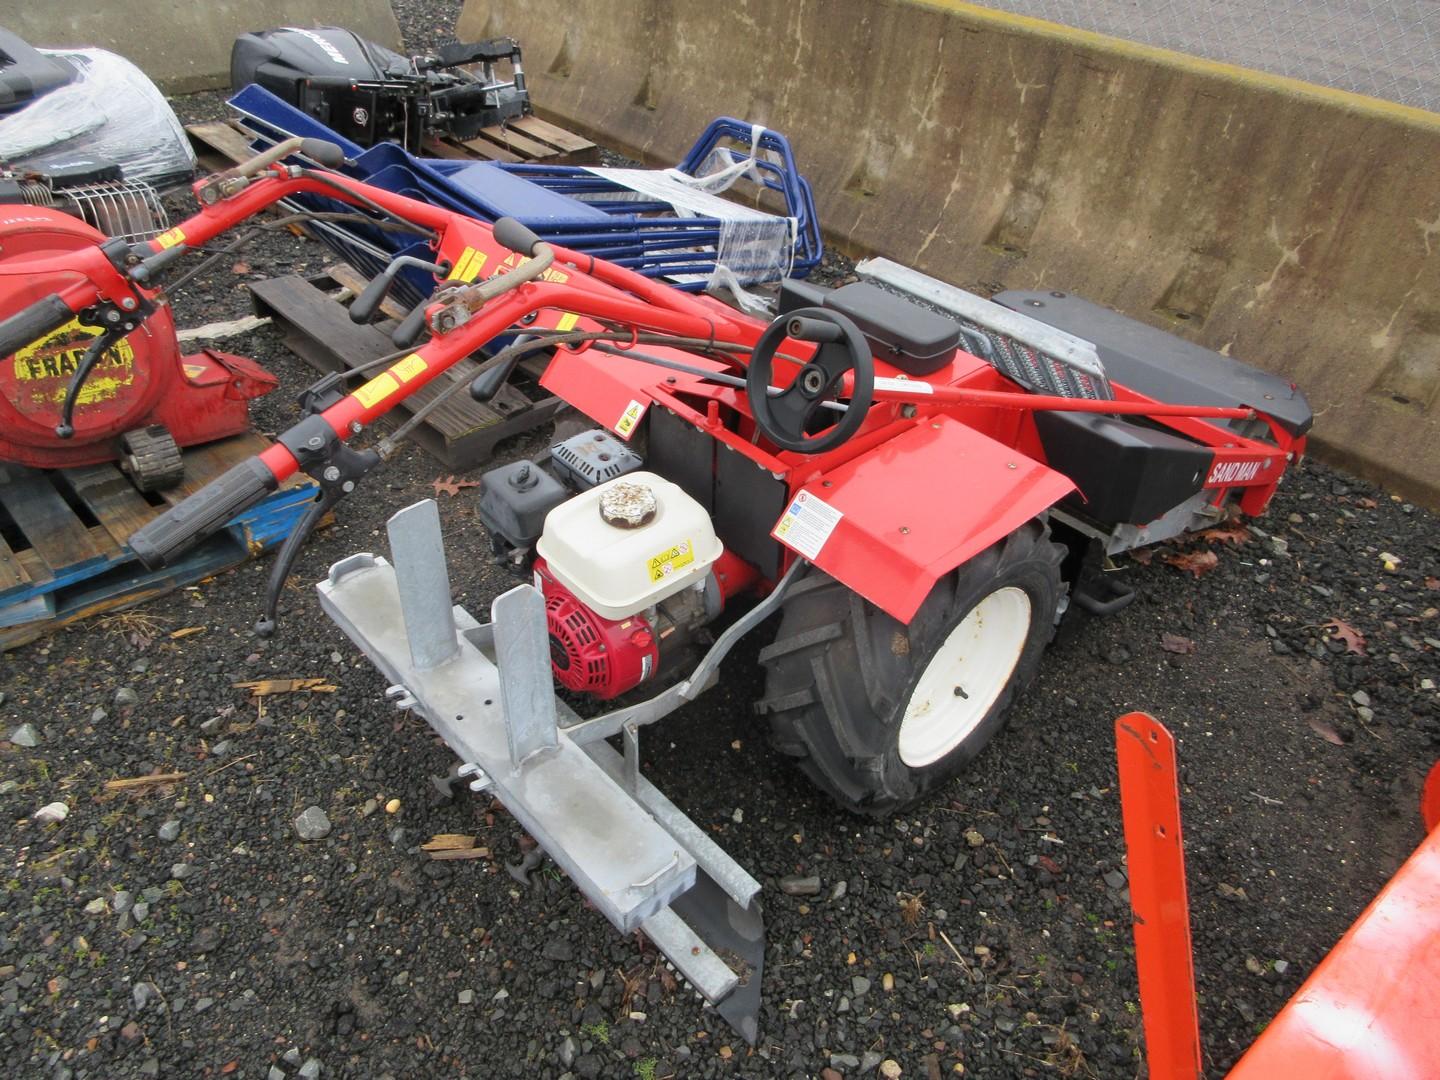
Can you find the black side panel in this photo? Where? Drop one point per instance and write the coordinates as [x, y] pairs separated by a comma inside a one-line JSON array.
[[1163, 366], [748, 502], [1128, 475], [684, 455], [742, 499]]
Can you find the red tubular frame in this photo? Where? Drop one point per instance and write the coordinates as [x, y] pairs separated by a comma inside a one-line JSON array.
[[592, 288]]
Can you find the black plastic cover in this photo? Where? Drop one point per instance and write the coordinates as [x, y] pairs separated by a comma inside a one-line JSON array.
[[905, 335], [514, 500], [1128, 474], [591, 458], [26, 74], [1163, 366]]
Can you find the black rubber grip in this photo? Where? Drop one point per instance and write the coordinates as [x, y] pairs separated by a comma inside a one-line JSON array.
[[803, 329], [411, 327], [146, 269], [515, 235], [233, 491], [33, 322], [364, 306], [323, 152]]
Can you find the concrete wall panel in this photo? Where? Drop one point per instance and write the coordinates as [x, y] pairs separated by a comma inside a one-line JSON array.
[[1293, 226], [184, 45]]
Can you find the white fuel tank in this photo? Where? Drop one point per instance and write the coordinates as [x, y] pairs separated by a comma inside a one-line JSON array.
[[628, 543]]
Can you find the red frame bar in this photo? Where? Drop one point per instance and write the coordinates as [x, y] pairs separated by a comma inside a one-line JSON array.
[[1150, 806]]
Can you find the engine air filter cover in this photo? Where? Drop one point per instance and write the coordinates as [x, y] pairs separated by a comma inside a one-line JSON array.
[[618, 570]]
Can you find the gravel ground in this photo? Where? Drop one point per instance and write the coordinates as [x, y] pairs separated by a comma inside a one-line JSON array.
[[188, 929]]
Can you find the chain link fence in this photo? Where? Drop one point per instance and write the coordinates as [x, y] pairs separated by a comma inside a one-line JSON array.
[[1384, 48]]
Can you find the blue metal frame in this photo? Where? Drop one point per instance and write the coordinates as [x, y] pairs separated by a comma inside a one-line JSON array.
[[561, 203]]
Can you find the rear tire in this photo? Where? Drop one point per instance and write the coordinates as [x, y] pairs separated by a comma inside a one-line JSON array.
[[877, 713]]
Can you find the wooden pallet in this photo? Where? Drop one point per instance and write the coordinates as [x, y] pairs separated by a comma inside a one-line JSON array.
[[63, 536], [461, 433], [221, 143]]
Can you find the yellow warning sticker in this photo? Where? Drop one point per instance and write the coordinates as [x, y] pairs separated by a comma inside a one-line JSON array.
[[171, 237], [671, 560], [377, 389], [567, 321], [194, 371], [468, 266], [410, 367], [629, 419], [43, 368]]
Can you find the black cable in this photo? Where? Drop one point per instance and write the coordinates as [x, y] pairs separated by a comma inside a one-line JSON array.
[[328, 179]]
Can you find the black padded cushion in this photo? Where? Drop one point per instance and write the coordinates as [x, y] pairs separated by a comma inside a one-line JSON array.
[[905, 335]]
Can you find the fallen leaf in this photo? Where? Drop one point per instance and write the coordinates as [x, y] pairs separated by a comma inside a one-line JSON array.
[[450, 486], [1049, 865], [240, 267], [1176, 644], [229, 1067], [1230, 533], [1368, 504], [1432, 583], [1198, 563], [1325, 731], [1143, 556], [185, 631], [1354, 640]]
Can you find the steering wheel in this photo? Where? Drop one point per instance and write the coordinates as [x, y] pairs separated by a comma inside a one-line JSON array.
[[842, 349]]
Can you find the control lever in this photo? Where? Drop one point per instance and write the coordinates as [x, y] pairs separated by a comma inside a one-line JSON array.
[[117, 326], [373, 295]]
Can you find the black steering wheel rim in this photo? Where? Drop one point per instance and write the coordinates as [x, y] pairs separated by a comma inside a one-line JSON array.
[[783, 416]]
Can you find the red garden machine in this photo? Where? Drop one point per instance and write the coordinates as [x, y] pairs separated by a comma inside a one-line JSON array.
[[109, 381], [917, 493]]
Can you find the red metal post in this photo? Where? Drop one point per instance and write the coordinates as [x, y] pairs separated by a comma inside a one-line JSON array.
[[1150, 806]]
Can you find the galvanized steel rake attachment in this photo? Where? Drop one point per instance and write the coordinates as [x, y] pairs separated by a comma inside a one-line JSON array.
[[487, 690]]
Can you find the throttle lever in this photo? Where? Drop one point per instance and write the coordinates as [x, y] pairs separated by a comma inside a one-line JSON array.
[[373, 295], [99, 346], [341, 470]]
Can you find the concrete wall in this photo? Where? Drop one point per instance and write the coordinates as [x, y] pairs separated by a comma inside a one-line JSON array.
[[1293, 226], [184, 45]]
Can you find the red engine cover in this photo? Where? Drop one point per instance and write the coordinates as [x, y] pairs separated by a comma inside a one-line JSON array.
[[590, 653]]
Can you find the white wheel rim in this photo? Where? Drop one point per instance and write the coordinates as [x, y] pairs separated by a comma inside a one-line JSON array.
[[965, 676]]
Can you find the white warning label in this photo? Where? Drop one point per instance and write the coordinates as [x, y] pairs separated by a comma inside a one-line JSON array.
[[806, 524], [907, 386]]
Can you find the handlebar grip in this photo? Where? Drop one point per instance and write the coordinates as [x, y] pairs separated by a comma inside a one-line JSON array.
[[323, 152], [515, 235], [806, 329], [146, 269], [233, 491], [33, 322]]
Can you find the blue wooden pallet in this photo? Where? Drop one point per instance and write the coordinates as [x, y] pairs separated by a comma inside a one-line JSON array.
[[64, 533]]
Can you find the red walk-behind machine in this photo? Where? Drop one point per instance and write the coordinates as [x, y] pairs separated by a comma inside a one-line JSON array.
[[110, 382], [918, 493]]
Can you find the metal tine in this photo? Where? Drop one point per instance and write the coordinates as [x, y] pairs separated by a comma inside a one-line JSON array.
[[423, 581]]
